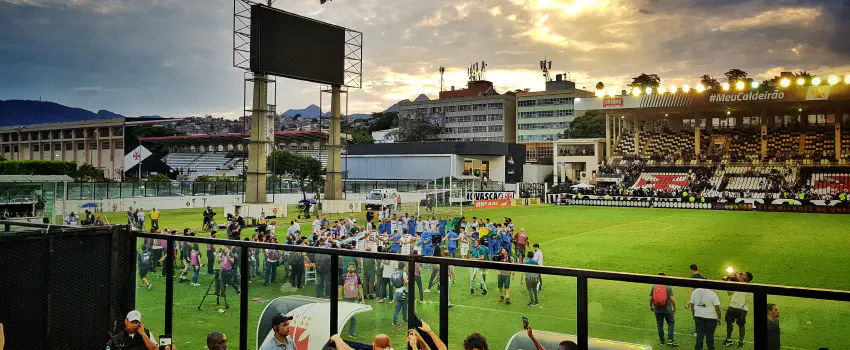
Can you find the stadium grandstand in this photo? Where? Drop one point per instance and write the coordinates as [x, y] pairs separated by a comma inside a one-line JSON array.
[[779, 139], [225, 154]]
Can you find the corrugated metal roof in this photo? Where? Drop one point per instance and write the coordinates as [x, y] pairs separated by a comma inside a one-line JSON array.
[[35, 178]]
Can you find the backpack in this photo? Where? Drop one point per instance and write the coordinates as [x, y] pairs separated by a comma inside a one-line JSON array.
[[145, 260], [350, 287], [659, 295], [397, 279]]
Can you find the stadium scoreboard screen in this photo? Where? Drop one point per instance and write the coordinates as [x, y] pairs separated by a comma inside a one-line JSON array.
[[291, 46]]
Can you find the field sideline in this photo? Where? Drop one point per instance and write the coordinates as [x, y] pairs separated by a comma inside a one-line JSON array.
[[778, 248]]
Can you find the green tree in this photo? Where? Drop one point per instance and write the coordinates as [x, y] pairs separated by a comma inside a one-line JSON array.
[[297, 116], [644, 80], [709, 82], [361, 137], [159, 178], [88, 173], [384, 121], [417, 128], [155, 131], [589, 125], [803, 74], [735, 74], [299, 167]]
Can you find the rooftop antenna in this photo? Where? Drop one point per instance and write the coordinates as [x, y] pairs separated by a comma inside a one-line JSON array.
[[442, 71], [545, 66]]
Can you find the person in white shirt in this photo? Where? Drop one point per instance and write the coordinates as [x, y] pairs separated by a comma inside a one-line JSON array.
[[317, 224], [386, 287], [271, 228], [737, 311], [296, 224], [705, 307], [538, 256]]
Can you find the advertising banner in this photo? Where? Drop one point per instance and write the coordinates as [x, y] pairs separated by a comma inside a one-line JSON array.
[[492, 203], [480, 196]]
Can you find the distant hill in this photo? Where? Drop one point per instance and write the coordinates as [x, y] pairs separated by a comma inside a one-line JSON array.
[[394, 107], [26, 112], [312, 111]]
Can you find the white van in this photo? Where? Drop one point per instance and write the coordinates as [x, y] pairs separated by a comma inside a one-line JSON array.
[[379, 197]]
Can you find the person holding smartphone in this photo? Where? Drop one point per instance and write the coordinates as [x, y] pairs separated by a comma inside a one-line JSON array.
[[134, 336]]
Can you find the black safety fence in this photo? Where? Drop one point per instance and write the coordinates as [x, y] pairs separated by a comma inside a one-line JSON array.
[[63, 287], [580, 277]]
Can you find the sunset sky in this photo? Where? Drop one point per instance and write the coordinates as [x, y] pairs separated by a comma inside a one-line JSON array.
[[173, 57]]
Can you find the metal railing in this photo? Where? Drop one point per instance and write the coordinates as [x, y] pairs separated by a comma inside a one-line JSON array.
[[759, 291]]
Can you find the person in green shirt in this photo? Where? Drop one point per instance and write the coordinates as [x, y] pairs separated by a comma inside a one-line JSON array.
[[479, 252]]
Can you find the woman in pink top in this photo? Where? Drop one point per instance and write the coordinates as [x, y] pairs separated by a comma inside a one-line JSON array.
[[195, 260]]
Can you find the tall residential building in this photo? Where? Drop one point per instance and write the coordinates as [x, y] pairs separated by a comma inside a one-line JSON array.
[[473, 114], [542, 115]]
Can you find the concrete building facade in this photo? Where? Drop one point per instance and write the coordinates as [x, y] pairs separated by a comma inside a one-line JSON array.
[[475, 118]]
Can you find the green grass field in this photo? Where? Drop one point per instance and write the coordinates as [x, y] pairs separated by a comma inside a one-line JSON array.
[[808, 250]]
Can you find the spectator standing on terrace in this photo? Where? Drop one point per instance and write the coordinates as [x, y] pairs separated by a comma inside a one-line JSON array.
[[705, 307], [663, 303], [216, 341], [399, 280], [154, 215], [772, 327], [281, 339], [134, 336]]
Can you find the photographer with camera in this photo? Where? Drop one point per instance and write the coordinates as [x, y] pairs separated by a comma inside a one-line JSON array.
[[736, 313]]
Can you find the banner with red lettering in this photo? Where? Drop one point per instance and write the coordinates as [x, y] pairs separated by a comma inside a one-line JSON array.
[[492, 203]]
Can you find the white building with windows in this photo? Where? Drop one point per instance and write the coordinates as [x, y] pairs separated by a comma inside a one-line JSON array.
[[542, 117], [475, 118]]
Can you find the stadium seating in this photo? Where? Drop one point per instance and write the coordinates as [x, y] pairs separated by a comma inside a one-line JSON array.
[[829, 183], [205, 163], [662, 181]]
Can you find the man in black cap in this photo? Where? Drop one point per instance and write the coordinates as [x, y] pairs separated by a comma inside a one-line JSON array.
[[281, 339]]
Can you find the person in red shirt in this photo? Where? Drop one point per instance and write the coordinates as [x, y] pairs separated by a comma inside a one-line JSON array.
[[520, 242]]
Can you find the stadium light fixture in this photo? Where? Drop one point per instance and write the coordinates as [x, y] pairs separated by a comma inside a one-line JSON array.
[[699, 88], [739, 85], [832, 80], [847, 79], [728, 112], [755, 84], [816, 81], [724, 86], [648, 90], [673, 88], [686, 88], [799, 109], [730, 269], [600, 93], [636, 91], [784, 82], [612, 92], [801, 81], [662, 89]]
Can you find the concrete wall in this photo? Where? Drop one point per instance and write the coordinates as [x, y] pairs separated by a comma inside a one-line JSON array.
[[536, 172], [397, 167]]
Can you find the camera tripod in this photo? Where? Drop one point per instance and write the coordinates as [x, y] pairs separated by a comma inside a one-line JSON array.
[[219, 290]]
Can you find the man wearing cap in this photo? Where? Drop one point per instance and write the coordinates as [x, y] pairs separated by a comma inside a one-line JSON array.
[[216, 341], [281, 339], [134, 336]]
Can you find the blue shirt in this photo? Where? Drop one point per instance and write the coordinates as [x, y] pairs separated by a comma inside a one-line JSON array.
[[494, 244], [426, 237], [411, 227], [452, 244], [506, 240], [442, 227]]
